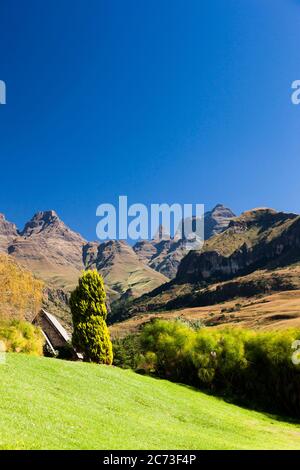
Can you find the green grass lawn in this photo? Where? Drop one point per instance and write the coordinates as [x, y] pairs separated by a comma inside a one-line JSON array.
[[53, 404]]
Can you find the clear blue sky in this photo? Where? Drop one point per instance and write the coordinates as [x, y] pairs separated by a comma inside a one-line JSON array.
[[163, 100]]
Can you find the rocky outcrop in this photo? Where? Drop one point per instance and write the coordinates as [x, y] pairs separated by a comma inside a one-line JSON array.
[[217, 220], [59, 238], [8, 232], [164, 253], [258, 253], [257, 239]]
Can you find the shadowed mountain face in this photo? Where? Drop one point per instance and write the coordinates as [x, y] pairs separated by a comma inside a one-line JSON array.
[[49, 225], [164, 254]]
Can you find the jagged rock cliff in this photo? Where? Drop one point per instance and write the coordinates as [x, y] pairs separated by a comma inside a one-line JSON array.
[[259, 252], [164, 254], [258, 238]]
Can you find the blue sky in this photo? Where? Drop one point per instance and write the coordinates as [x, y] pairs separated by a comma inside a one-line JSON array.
[[162, 100]]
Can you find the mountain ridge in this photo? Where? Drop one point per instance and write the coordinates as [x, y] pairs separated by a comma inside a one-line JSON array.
[[165, 254], [260, 241], [57, 255]]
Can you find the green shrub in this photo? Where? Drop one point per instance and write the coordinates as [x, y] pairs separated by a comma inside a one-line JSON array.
[[91, 335], [127, 351], [21, 336], [248, 366], [172, 343], [271, 374]]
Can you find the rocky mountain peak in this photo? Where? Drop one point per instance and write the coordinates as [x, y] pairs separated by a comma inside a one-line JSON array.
[[8, 231], [48, 224], [5, 225], [165, 254], [162, 234], [39, 222], [221, 211], [256, 239], [217, 220]]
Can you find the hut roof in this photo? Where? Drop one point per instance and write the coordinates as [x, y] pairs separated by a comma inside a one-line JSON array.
[[55, 323]]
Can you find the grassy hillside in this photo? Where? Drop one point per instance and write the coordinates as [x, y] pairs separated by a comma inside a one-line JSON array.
[[121, 268], [258, 287], [266, 312], [52, 404]]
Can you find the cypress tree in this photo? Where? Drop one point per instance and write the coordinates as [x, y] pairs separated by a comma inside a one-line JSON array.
[[91, 335]]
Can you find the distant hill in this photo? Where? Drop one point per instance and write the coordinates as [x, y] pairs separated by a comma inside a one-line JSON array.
[[123, 272], [57, 254], [217, 220], [236, 249]]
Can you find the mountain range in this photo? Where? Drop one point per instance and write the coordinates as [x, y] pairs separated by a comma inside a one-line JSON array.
[[164, 254], [258, 253], [253, 254], [57, 254]]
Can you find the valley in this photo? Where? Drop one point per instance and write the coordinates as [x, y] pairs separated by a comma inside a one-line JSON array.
[[266, 312]]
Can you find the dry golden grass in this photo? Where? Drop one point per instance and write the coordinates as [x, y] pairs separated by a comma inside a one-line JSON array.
[[274, 311]]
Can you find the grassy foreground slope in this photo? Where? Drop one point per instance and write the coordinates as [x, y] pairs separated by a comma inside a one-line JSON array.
[[51, 404]]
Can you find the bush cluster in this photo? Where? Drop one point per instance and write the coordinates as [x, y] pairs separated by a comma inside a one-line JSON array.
[[250, 367], [21, 336]]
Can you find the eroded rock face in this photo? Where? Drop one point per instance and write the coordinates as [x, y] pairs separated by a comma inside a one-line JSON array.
[[49, 230], [217, 220], [258, 253], [49, 225], [164, 254], [257, 239]]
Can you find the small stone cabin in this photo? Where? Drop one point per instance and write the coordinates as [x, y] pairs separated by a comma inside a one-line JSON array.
[[55, 335]]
